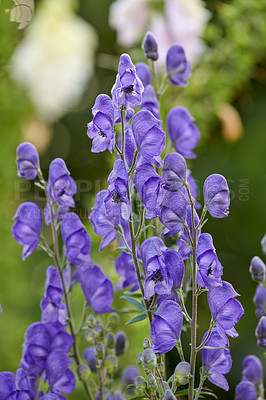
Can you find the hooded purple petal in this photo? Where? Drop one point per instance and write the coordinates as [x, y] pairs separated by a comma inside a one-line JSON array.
[[260, 300], [150, 46], [245, 391], [27, 161], [216, 196], [173, 213], [174, 172], [261, 332], [144, 73], [149, 101], [252, 370], [178, 67]]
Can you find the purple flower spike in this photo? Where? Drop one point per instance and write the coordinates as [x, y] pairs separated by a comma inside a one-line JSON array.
[[128, 88], [252, 370], [226, 310], [150, 102], [217, 361], [150, 46], [216, 196], [182, 131], [260, 301], [144, 73], [245, 391], [173, 213], [76, 239], [100, 129], [178, 67], [148, 134], [261, 332], [166, 326], [97, 289], [27, 227], [174, 172], [210, 268], [27, 161]]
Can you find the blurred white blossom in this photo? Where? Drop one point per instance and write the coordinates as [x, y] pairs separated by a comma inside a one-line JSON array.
[[182, 22], [55, 59], [22, 12]]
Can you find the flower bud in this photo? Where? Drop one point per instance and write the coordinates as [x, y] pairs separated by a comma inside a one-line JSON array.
[[181, 373], [139, 382], [100, 351], [27, 161], [111, 363], [245, 390], [216, 196], [89, 355], [110, 340], [146, 343], [89, 337], [150, 46], [83, 372], [150, 360], [161, 367], [113, 321], [151, 382], [261, 332], [140, 359], [120, 343], [169, 395], [263, 244], [257, 269], [91, 321], [99, 332]]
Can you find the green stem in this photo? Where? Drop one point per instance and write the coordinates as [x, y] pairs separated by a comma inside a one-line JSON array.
[[212, 324], [202, 380]]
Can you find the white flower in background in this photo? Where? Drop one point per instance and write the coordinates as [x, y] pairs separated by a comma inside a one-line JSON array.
[[22, 12], [183, 23], [55, 59]]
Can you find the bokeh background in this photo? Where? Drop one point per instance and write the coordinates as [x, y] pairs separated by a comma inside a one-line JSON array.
[[56, 57]]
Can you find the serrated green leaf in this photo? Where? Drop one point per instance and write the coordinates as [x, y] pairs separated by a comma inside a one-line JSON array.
[[134, 303], [137, 318], [124, 249]]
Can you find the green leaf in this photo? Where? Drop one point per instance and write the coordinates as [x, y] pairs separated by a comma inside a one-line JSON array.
[[133, 294], [200, 291], [38, 184], [134, 303], [137, 318], [124, 250], [213, 348]]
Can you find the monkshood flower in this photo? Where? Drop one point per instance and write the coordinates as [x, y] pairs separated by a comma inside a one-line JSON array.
[[128, 88], [121, 343], [27, 227], [210, 268], [148, 134], [14, 386], [116, 201], [261, 332], [216, 196], [263, 244], [252, 370], [174, 172], [257, 269], [183, 242], [150, 47], [166, 326], [173, 213], [260, 301], [53, 310], [178, 68], [97, 288], [103, 225], [245, 390], [183, 133], [27, 161], [125, 268], [76, 239], [226, 311], [149, 101], [216, 362], [58, 374], [89, 355], [144, 73], [101, 128]]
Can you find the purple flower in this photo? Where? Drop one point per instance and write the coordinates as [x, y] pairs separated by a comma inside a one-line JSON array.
[[245, 391], [97, 289], [183, 242], [125, 268], [27, 161], [143, 72], [101, 128], [121, 343], [210, 268], [52, 396], [182, 131], [261, 332], [174, 172], [53, 310], [27, 227], [260, 300], [166, 326], [226, 311], [150, 47], [216, 196], [173, 213], [217, 362], [263, 244], [89, 355], [116, 201], [148, 134], [103, 225], [128, 87], [14, 386], [150, 102], [178, 68], [128, 376], [59, 376], [252, 370], [257, 269], [76, 239]]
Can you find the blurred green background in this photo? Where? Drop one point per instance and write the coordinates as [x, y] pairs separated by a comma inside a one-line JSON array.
[[227, 97]]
